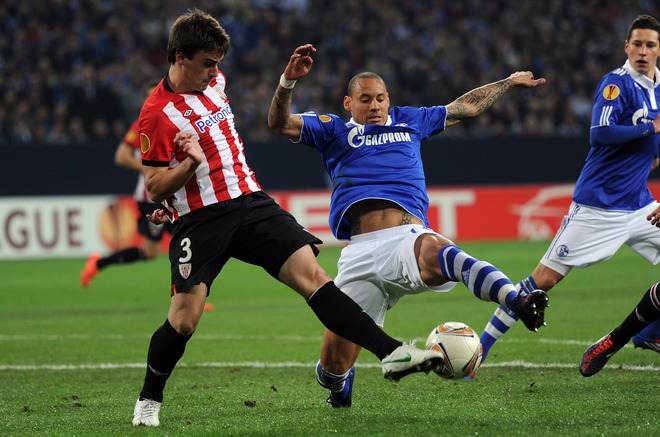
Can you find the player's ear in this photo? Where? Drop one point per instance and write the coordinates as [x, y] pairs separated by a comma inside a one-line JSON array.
[[347, 103], [179, 56]]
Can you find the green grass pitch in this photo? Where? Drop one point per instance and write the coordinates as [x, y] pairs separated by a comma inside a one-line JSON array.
[[72, 360]]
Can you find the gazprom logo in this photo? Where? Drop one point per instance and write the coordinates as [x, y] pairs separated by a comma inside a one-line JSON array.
[[357, 138], [212, 120], [641, 115]]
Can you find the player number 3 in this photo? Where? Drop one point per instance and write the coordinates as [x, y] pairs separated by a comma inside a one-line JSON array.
[[185, 246]]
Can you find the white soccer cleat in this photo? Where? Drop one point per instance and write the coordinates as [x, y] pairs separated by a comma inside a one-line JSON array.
[[407, 359], [146, 412]]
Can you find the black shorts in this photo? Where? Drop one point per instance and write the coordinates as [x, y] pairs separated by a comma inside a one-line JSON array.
[[252, 228], [145, 227]]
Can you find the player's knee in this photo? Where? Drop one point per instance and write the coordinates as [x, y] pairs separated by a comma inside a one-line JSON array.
[[184, 326]]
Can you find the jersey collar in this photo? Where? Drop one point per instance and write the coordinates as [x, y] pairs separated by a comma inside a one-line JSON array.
[[352, 122], [642, 79]]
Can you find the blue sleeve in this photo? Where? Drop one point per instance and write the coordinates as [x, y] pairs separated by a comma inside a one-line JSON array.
[[317, 129], [616, 134]]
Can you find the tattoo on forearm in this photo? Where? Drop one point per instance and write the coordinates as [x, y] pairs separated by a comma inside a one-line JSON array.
[[478, 100], [280, 108]]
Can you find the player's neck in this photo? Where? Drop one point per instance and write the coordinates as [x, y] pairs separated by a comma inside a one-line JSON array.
[[175, 80]]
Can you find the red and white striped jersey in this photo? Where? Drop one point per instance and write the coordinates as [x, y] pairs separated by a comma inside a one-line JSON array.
[[132, 138], [224, 174]]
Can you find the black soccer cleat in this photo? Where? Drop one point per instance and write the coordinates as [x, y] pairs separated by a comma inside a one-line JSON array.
[[597, 355], [530, 308]]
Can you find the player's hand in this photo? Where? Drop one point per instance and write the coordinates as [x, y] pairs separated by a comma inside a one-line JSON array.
[[300, 62], [158, 217], [189, 144], [525, 79], [654, 217]]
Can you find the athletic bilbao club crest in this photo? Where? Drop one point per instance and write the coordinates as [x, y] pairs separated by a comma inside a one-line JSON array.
[[184, 270], [611, 92]]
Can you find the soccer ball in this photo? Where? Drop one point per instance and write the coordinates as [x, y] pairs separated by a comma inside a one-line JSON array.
[[460, 346]]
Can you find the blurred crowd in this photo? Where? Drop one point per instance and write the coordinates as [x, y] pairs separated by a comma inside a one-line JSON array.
[[72, 71]]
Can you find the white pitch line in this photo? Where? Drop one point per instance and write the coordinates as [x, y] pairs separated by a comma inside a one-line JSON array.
[[293, 364]]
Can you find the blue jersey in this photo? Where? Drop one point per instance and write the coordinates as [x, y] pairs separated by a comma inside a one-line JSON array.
[[623, 144], [374, 161]]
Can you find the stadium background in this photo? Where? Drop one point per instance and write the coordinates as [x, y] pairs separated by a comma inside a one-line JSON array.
[[71, 75]]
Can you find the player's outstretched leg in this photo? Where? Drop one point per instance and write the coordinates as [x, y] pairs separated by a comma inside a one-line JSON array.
[[646, 314], [340, 386], [488, 283]]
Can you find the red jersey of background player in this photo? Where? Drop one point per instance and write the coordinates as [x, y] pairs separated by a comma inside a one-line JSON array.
[[132, 138], [224, 173]]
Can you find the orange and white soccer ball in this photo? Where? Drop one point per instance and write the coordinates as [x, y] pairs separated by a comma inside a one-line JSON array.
[[460, 346]]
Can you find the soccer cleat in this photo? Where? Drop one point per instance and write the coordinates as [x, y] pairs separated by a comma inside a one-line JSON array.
[[407, 359], [344, 397], [146, 412], [90, 270], [530, 308], [597, 355], [646, 343]]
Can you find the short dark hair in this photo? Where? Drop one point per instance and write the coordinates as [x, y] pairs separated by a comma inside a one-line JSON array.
[[352, 84], [643, 22], [196, 31]]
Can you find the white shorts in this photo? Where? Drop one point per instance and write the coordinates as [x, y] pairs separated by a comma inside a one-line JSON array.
[[590, 235], [377, 268]]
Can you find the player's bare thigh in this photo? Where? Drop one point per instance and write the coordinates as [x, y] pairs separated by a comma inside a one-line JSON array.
[[427, 247]]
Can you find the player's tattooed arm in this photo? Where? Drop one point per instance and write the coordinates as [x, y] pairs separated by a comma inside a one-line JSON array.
[[280, 109], [280, 118], [478, 100]]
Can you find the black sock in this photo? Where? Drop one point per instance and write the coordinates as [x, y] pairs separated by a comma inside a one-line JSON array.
[[340, 314], [644, 313], [165, 350], [124, 256]]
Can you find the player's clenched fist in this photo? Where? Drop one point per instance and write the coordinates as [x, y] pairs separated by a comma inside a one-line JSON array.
[[187, 142]]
